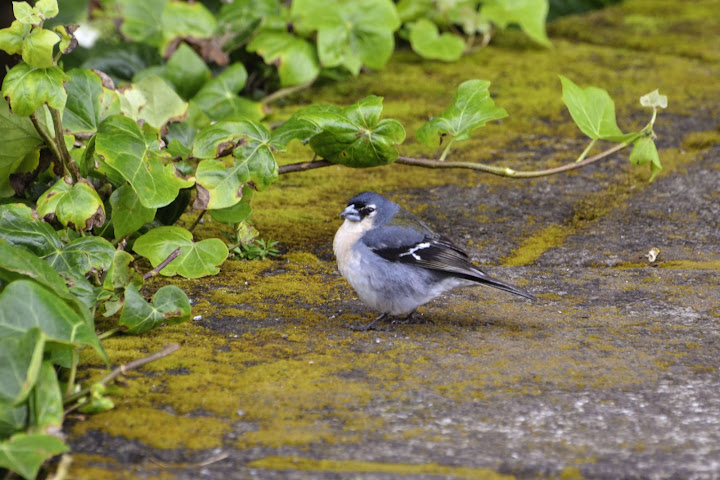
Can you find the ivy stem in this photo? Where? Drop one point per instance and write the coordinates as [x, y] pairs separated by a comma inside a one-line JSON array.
[[447, 150], [108, 333], [49, 142], [481, 167], [587, 150], [123, 369], [162, 265], [66, 159], [284, 92], [73, 373], [197, 221]]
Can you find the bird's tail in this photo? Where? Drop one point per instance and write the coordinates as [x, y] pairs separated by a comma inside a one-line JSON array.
[[485, 279]]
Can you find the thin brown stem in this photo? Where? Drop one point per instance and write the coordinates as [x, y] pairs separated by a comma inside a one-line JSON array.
[[164, 264], [480, 167], [67, 160], [284, 92], [197, 221], [48, 141], [123, 369]]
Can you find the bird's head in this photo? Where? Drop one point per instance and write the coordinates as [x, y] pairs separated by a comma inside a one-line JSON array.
[[369, 207]]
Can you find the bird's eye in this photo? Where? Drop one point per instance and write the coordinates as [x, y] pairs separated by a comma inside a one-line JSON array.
[[369, 209]]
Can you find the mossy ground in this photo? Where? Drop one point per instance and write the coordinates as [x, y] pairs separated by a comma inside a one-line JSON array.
[[611, 373]]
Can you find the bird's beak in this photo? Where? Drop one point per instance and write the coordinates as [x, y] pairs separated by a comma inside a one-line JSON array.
[[351, 213]]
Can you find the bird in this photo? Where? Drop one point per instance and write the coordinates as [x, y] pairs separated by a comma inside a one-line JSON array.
[[395, 262]]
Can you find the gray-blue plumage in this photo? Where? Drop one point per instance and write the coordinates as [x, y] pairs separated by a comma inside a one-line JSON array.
[[395, 262]]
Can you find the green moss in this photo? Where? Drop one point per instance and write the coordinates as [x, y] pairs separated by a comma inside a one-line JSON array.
[[356, 466], [571, 473], [535, 246]]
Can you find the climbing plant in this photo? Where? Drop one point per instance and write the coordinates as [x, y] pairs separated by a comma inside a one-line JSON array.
[[101, 158]]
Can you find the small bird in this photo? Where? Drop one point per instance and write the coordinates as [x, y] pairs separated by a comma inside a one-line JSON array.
[[395, 262]]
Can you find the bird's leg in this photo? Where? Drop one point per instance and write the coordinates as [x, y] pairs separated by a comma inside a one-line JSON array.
[[410, 319], [369, 326]]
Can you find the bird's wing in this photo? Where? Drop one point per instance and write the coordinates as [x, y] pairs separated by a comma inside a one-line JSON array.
[[426, 249]]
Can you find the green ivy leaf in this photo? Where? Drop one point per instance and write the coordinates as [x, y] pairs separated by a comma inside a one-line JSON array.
[[47, 414], [98, 401], [20, 360], [254, 161], [427, 42], [24, 13], [122, 145], [353, 136], [38, 48], [529, 15], [47, 8], [28, 88], [128, 214], [350, 33], [19, 140], [169, 306], [17, 263], [76, 206], [25, 304], [12, 37], [471, 108], [19, 227], [593, 111], [196, 259], [239, 212], [88, 104], [82, 255], [142, 20], [186, 71], [644, 151], [218, 98], [153, 100], [25, 454], [121, 274], [239, 19], [182, 19], [12, 419], [295, 58]]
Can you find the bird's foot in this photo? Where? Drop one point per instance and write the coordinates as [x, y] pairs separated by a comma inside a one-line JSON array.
[[411, 319], [369, 326]]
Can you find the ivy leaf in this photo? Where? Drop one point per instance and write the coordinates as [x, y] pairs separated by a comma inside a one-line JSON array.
[[654, 100], [353, 136], [19, 227], [182, 19], [18, 263], [19, 140], [25, 304], [218, 98], [593, 111], [350, 33], [239, 212], [121, 274], [48, 404], [12, 419], [47, 8], [644, 151], [20, 360], [76, 206], [196, 259], [82, 255], [24, 13], [142, 20], [471, 108], [529, 15], [38, 48], [239, 19], [186, 71], [138, 159], [427, 42], [153, 100], [25, 454], [253, 161], [12, 37], [89, 103], [128, 214], [169, 306], [294, 57], [28, 88], [301, 125]]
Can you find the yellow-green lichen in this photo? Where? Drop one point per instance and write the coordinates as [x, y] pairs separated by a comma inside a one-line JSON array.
[[533, 247]]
